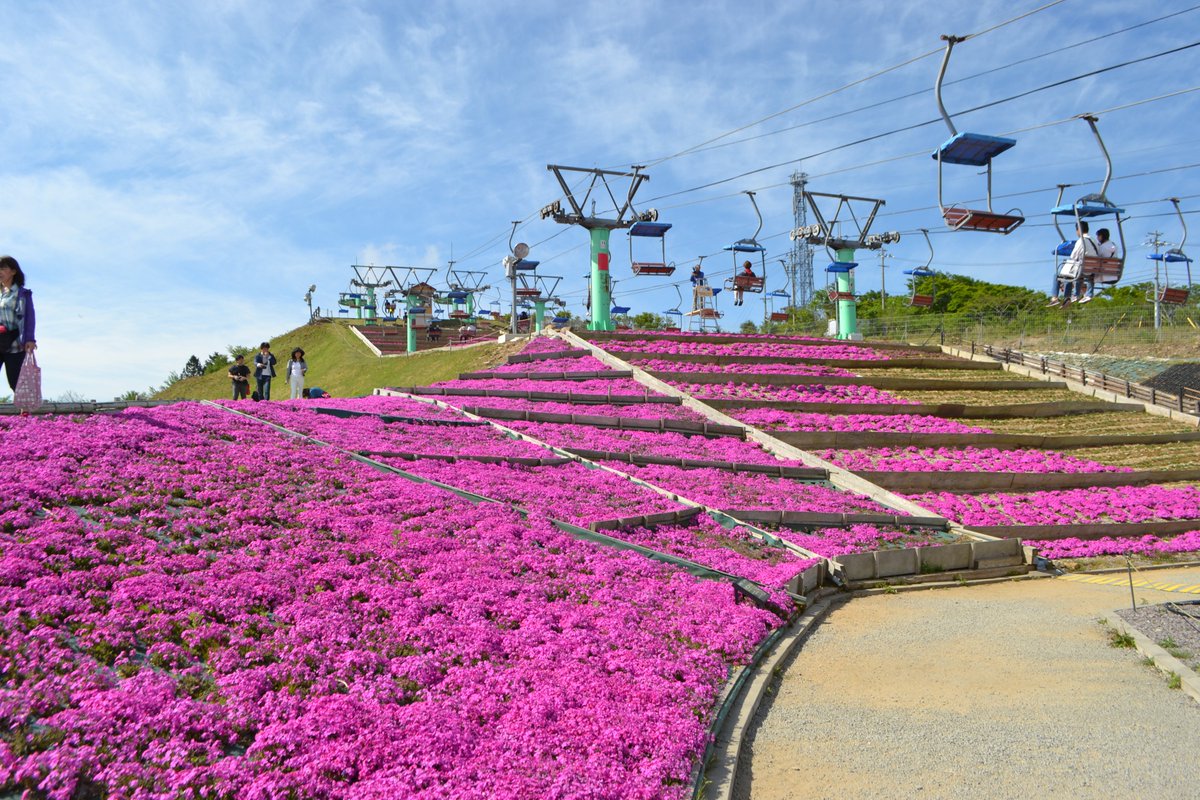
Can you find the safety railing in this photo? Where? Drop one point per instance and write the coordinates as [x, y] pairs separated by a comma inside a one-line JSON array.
[[1188, 402]]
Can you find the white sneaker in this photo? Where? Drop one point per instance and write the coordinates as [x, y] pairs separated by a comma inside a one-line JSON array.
[[1085, 299]]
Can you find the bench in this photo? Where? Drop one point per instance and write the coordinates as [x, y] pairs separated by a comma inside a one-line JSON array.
[[1104, 270], [652, 268], [921, 300], [1175, 297], [964, 219], [748, 283]]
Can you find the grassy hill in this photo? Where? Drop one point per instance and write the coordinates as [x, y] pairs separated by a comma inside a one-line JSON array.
[[341, 364]]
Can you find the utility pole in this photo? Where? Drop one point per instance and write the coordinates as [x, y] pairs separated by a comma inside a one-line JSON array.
[[1157, 243], [883, 257]]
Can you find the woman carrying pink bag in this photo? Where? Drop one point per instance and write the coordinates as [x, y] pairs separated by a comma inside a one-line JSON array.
[[16, 319]]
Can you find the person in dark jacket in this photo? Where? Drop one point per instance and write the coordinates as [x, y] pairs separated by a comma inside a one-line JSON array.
[[264, 369], [16, 319]]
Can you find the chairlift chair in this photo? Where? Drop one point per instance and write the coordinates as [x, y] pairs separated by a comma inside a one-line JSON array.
[[774, 297], [975, 150], [1095, 267], [923, 300], [1175, 295], [651, 230], [749, 283]]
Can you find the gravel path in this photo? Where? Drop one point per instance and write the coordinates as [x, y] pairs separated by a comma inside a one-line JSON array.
[[1003, 691]]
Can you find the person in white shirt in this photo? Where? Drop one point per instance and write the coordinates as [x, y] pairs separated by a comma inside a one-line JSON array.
[[296, 369], [1105, 248], [1070, 274]]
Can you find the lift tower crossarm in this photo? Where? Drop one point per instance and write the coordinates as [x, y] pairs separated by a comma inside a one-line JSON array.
[[578, 216]]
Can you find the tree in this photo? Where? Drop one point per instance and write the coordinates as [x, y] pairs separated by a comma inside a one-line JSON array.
[[215, 363], [133, 395], [749, 327], [192, 368], [648, 321]]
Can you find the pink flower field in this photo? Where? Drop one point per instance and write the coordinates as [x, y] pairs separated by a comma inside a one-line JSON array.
[[197, 605]]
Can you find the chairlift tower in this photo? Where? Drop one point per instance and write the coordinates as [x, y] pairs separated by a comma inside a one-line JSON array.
[[799, 268], [599, 228], [829, 232]]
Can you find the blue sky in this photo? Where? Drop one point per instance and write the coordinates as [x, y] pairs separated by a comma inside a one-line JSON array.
[[176, 175]]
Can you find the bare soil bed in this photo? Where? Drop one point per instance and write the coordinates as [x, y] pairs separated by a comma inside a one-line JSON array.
[[992, 397], [941, 374], [1178, 455], [1116, 422]]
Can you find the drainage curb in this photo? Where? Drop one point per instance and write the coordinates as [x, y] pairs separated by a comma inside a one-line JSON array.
[[720, 775], [1167, 663]]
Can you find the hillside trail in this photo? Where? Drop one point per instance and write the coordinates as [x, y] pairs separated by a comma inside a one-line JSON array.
[[1007, 690]]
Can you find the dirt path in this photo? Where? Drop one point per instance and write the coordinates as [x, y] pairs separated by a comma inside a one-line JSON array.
[[1007, 690]]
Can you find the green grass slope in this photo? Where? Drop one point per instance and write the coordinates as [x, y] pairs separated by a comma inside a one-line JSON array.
[[341, 364]]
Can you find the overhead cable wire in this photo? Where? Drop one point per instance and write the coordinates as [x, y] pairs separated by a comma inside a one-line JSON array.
[[916, 125], [910, 95], [873, 76]]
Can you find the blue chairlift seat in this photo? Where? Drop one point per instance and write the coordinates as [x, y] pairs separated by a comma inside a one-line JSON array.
[[841, 266], [743, 247], [1065, 248], [416, 309], [656, 229], [343, 312], [1171, 257], [620, 309], [920, 272], [778, 293], [973, 149], [457, 294], [1085, 210], [525, 265]]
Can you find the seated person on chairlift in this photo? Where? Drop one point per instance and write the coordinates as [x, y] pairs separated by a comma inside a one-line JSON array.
[[1070, 279], [747, 272], [1105, 248], [434, 331], [698, 278]]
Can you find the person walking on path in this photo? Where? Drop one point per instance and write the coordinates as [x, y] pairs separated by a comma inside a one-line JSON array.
[[239, 374], [16, 319], [264, 370], [296, 368]]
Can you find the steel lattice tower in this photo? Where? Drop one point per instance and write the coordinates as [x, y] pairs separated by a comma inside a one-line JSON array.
[[800, 264]]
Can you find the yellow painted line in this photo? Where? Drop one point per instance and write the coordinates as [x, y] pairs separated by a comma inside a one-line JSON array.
[[1139, 583]]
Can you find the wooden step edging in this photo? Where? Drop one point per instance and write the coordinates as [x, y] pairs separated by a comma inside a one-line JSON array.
[[633, 356], [972, 482], [1091, 530], [545, 376], [646, 520], [856, 440], [708, 338], [449, 458], [524, 358], [589, 398], [50, 407], [814, 519], [943, 410], [781, 471], [877, 381], [649, 424]]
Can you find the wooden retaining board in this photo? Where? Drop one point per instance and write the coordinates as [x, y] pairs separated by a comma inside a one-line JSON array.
[[452, 458], [652, 336], [655, 425], [813, 519], [878, 381], [778, 471], [972, 482], [590, 398], [1097, 530], [547, 376], [944, 410], [524, 358], [854, 440], [845, 363]]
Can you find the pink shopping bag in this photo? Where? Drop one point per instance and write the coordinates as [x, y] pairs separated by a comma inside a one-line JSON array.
[[28, 394]]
